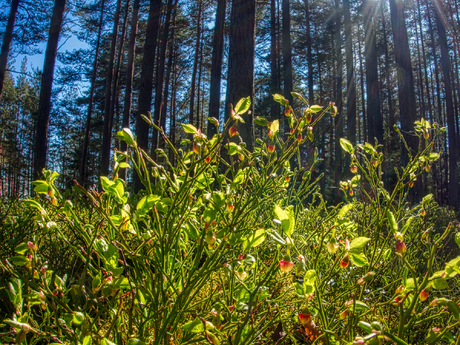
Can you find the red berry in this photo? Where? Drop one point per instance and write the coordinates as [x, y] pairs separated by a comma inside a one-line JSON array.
[[345, 261], [424, 295], [232, 131], [401, 247]]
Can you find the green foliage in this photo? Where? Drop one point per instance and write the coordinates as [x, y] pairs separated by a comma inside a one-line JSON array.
[[233, 252]]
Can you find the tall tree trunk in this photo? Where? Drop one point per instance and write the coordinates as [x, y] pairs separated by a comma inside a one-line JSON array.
[[363, 102], [351, 86], [91, 99], [287, 53], [160, 76], [446, 69], [374, 117], [44, 106], [407, 103], [216, 65], [146, 80], [274, 65], [171, 47], [199, 108], [421, 94], [7, 37], [338, 97], [311, 99], [172, 133], [422, 41], [108, 103], [129, 76], [195, 65], [115, 110], [391, 114], [240, 82]]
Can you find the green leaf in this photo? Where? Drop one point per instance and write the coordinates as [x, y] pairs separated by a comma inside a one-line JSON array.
[[440, 284], [196, 326], [243, 105], [316, 108], [297, 95], [433, 156], [19, 260], [346, 145], [310, 276], [41, 186], [239, 178], [361, 306], [453, 267], [21, 248], [358, 259], [410, 284], [146, 203], [78, 318], [358, 243], [392, 221], [457, 239], [88, 340], [106, 183], [105, 341], [299, 289], [369, 148], [309, 280], [276, 237], [344, 210], [135, 341], [261, 121], [280, 99], [286, 217], [275, 126], [394, 338], [188, 128], [255, 239], [126, 135], [454, 309], [233, 148], [365, 326], [214, 121]]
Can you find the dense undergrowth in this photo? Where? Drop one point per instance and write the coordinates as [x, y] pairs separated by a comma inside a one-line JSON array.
[[241, 250]]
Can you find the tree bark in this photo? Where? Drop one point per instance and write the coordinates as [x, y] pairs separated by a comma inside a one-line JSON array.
[[351, 86], [195, 65], [240, 82], [407, 103], [129, 76], [374, 117], [160, 76], [108, 103], [287, 53], [311, 99], [146, 81], [171, 47], [91, 99], [216, 65], [446, 69], [44, 106], [7, 37]]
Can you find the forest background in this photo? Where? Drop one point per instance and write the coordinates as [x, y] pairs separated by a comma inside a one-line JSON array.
[[383, 63]]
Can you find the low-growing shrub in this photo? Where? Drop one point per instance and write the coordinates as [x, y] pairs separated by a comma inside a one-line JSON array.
[[242, 250]]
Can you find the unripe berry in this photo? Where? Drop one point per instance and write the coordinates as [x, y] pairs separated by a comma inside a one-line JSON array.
[[345, 261]]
